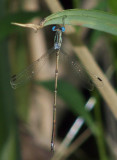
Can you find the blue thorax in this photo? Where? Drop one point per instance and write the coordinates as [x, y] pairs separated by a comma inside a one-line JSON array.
[[58, 37]]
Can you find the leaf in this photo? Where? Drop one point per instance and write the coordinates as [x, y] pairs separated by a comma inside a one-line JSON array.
[[73, 99], [5, 22], [93, 19]]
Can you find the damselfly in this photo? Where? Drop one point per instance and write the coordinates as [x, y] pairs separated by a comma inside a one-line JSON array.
[[31, 71]]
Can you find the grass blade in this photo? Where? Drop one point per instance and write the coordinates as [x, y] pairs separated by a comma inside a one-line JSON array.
[[94, 19]]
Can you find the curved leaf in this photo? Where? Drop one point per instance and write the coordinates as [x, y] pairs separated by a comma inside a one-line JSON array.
[[94, 19]]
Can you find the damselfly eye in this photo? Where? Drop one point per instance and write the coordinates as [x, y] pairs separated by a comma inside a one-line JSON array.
[[63, 29], [53, 28]]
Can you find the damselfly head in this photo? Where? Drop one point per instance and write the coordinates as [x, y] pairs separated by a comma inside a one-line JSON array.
[[55, 28]]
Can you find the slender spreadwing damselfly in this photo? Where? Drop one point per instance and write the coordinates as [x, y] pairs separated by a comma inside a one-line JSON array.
[[31, 71]]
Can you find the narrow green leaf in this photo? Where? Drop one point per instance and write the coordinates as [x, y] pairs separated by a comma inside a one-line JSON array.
[[93, 19], [73, 99]]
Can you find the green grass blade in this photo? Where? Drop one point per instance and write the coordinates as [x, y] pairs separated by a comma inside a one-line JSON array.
[[94, 19]]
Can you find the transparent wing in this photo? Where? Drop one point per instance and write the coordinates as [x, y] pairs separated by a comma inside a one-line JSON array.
[[30, 71], [81, 73]]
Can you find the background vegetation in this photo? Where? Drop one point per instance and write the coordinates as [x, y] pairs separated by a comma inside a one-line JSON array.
[[26, 113]]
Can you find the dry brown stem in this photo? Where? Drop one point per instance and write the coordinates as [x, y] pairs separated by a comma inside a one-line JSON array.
[[30, 25]]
